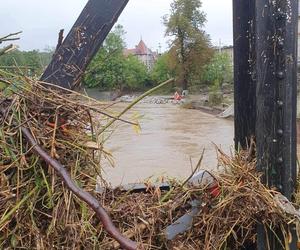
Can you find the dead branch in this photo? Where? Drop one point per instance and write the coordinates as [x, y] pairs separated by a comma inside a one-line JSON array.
[[10, 37], [7, 49], [83, 195]]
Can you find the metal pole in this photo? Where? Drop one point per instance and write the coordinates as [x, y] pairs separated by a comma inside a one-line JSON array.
[[83, 42]]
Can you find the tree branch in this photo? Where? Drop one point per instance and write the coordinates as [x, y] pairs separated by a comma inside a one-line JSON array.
[[7, 49], [9, 37], [81, 194]]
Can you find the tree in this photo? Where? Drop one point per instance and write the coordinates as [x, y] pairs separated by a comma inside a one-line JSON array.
[[106, 69], [161, 70], [34, 61], [111, 69], [136, 73], [218, 70], [190, 45]]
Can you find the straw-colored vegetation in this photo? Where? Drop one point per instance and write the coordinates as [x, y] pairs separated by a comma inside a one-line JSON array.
[[37, 211], [226, 222], [51, 142], [46, 128], [36, 208]]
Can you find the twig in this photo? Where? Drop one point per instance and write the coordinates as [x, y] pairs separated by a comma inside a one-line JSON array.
[[83, 195], [4, 81], [7, 49], [87, 106], [195, 170], [8, 37], [132, 232]]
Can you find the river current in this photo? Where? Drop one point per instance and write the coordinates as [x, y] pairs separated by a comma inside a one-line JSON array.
[[170, 143]]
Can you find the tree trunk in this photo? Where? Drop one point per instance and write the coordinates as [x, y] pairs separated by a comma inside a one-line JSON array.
[[183, 61], [185, 80]]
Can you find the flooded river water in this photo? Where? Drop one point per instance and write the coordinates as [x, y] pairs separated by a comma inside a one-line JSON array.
[[170, 143]]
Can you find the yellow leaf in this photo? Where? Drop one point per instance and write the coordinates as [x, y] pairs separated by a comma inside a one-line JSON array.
[[137, 128]]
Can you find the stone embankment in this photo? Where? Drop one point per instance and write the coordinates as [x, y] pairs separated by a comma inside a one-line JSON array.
[[198, 102], [151, 99]]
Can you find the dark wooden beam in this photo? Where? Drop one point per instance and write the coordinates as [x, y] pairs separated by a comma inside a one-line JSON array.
[[244, 71], [276, 50], [276, 95], [265, 40], [244, 76], [82, 43]]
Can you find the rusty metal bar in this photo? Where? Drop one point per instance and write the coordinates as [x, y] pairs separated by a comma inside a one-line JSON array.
[[82, 43]]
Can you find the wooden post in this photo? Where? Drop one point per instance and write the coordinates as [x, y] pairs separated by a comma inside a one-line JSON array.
[[276, 50], [276, 94], [244, 71], [265, 34], [82, 43]]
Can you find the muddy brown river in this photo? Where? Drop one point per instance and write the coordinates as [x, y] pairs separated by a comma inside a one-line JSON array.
[[170, 143]]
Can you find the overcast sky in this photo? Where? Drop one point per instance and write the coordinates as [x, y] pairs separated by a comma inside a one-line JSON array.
[[40, 21]]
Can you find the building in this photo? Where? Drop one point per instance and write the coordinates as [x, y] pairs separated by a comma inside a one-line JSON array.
[[144, 54], [228, 50]]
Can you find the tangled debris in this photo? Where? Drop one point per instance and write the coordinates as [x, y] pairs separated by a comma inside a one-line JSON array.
[[38, 211], [37, 208], [227, 220]]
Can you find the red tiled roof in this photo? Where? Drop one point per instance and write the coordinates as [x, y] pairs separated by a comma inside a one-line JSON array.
[[140, 49], [128, 52]]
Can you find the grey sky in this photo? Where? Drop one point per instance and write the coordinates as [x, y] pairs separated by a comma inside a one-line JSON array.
[[40, 21]]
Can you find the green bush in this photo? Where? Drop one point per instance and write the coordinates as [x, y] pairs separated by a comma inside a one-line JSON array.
[[30, 62], [161, 71], [111, 69], [218, 71]]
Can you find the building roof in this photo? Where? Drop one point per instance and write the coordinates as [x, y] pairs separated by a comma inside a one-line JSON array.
[[140, 49]]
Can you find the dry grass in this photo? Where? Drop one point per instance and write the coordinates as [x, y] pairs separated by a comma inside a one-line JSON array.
[[36, 209], [38, 212], [226, 222]]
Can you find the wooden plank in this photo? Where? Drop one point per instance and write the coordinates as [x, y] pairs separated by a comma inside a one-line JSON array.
[[276, 48]]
